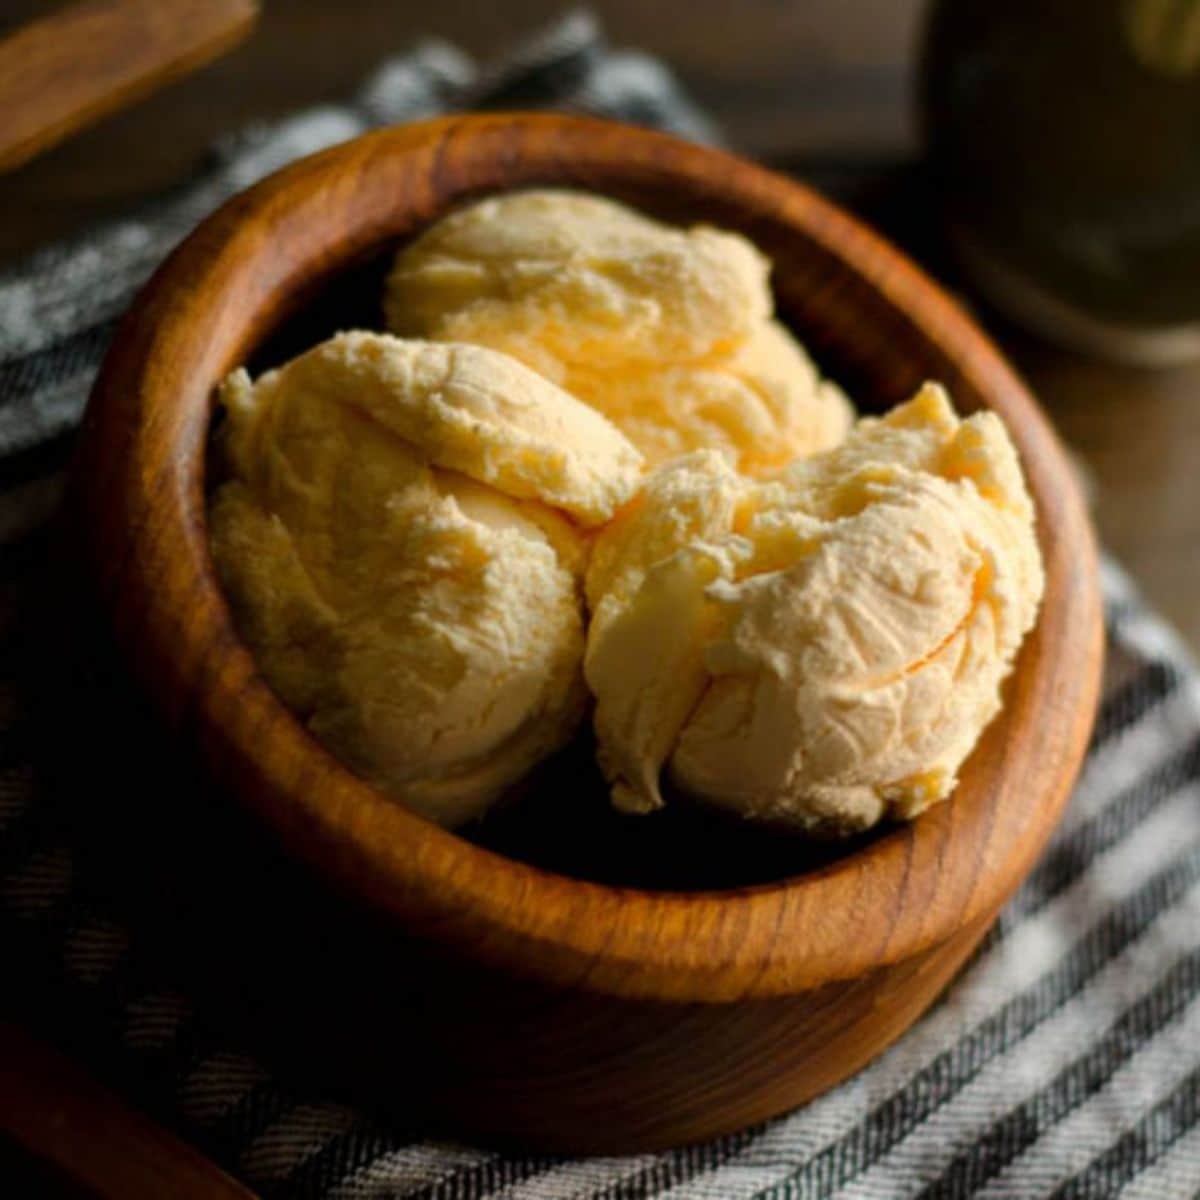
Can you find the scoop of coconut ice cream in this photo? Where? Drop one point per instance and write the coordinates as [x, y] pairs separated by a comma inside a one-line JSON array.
[[400, 540], [822, 649], [666, 331]]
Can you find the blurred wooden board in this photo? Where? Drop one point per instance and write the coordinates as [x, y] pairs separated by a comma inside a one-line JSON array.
[[66, 70], [99, 1146]]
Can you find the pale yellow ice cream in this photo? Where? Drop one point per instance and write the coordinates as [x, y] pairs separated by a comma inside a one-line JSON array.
[[401, 538], [822, 649], [668, 332], [799, 619]]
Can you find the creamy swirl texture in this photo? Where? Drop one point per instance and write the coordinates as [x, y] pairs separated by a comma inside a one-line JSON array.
[[669, 332], [823, 648], [401, 535]]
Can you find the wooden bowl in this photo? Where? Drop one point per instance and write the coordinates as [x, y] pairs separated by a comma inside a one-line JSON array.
[[565, 1013]]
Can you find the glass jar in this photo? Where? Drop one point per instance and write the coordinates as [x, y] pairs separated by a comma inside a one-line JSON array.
[[1064, 141]]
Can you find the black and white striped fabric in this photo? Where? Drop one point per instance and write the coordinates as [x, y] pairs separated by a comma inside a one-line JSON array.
[[1064, 1062]]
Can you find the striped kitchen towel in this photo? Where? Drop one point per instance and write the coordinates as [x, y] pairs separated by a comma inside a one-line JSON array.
[[1065, 1061]]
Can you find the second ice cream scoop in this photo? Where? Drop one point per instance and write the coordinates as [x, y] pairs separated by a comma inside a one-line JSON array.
[[822, 649]]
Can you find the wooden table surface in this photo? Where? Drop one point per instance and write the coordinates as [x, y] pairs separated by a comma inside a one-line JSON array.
[[813, 85]]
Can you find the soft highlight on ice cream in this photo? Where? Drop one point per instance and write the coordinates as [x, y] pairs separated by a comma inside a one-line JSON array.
[[401, 535], [668, 332], [822, 649]]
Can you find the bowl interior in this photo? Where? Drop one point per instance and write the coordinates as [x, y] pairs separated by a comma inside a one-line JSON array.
[[559, 818]]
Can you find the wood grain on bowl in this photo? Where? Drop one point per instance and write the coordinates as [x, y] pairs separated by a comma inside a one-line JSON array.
[[616, 1017]]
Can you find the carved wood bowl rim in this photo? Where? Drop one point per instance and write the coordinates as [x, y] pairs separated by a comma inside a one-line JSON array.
[[139, 487]]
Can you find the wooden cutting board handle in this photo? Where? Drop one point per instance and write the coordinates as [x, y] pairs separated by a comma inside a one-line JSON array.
[[64, 1118], [69, 69]]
